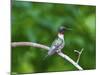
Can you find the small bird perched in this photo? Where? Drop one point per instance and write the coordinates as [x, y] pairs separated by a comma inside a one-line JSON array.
[[58, 43]]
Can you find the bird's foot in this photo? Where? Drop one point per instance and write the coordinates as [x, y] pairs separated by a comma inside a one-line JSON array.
[[58, 51]]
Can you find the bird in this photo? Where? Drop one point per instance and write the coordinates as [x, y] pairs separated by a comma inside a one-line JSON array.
[[58, 43]]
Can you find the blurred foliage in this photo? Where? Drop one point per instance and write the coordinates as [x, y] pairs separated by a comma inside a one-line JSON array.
[[39, 22]]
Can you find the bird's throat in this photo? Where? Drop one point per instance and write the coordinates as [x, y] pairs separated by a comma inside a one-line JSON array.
[[61, 36]]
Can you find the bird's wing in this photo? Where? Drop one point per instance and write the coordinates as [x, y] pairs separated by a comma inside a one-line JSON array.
[[57, 42], [55, 45]]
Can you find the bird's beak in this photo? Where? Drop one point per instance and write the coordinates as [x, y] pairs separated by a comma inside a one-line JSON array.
[[69, 29]]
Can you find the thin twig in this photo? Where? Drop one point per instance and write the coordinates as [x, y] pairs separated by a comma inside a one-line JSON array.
[[15, 44], [70, 60], [79, 54]]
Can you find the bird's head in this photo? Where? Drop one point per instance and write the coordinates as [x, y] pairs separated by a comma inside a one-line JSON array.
[[62, 30]]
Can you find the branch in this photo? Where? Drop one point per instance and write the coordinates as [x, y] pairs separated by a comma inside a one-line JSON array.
[[15, 44]]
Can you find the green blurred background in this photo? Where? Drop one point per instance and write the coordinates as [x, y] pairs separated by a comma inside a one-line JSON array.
[[39, 22]]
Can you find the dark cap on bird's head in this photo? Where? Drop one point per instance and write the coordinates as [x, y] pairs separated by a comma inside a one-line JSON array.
[[62, 29]]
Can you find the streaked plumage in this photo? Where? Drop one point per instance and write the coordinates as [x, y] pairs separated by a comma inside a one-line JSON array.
[[58, 44]]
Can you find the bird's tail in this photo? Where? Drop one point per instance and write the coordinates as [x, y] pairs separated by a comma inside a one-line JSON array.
[[45, 57]]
